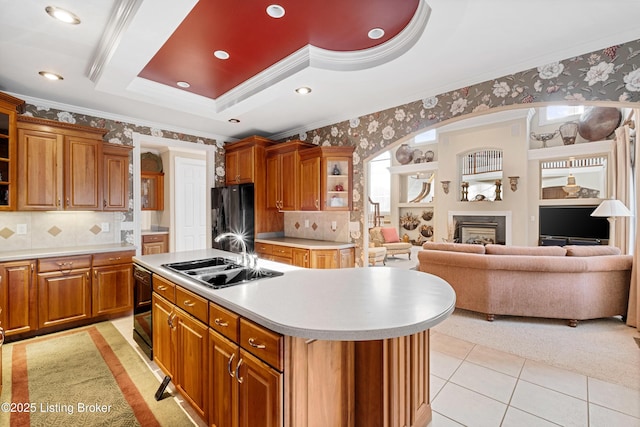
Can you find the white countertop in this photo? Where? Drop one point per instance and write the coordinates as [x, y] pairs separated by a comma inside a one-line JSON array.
[[305, 243], [351, 304], [56, 252]]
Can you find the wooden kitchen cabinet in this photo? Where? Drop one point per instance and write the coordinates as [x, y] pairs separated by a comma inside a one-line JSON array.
[[64, 290], [115, 188], [347, 257], [155, 243], [180, 343], [300, 257], [152, 189], [246, 163], [112, 285], [321, 258], [162, 321], [326, 176], [307, 258], [18, 297], [244, 159], [191, 378], [283, 175], [9, 108], [60, 165]]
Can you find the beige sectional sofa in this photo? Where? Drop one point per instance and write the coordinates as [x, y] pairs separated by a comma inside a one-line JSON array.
[[570, 282]]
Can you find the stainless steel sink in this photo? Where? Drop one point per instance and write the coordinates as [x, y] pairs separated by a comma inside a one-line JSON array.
[[220, 272]]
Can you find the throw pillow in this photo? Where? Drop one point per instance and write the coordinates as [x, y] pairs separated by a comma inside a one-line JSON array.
[[390, 234]]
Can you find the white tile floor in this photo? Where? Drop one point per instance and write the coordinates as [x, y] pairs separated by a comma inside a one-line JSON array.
[[472, 385]]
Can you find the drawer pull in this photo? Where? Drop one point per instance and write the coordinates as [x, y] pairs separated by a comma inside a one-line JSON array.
[[114, 259], [254, 344], [218, 321], [238, 377], [188, 303], [231, 373], [162, 288]]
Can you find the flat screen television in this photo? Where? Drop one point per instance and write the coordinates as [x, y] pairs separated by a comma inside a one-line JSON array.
[[573, 222]]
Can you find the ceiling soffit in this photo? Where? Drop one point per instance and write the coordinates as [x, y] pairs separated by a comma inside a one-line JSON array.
[[332, 43]]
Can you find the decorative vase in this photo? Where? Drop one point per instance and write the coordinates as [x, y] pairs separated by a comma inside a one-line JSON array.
[[404, 154], [336, 169], [429, 155]]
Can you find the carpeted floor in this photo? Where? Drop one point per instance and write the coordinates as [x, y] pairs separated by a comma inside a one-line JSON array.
[[83, 377], [604, 349]]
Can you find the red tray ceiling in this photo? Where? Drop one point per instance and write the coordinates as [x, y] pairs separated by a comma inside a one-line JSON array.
[[255, 41]]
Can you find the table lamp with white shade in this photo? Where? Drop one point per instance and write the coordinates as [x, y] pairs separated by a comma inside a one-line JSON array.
[[611, 209]]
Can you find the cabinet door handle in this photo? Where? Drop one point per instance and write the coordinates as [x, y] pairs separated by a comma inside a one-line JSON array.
[[231, 373], [1, 336], [104, 203], [88, 276], [68, 203], [238, 377], [95, 273], [254, 344], [58, 202], [317, 204], [170, 319], [218, 321], [188, 303]]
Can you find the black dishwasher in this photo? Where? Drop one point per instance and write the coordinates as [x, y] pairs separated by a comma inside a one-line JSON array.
[[142, 309]]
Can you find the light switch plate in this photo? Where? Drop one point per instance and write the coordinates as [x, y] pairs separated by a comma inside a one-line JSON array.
[[306, 223], [21, 229], [105, 227]]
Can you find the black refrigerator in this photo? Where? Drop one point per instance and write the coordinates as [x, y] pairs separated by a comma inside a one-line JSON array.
[[232, 211]]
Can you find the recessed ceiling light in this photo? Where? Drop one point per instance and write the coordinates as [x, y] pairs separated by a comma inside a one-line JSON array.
[[221, 54], [62, 15], [183, 84], [275, 11], [51, 76], [234, 121], [376, 33], [303, 90]]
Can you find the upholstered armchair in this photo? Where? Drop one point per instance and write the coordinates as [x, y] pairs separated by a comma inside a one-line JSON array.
[[387, 237]]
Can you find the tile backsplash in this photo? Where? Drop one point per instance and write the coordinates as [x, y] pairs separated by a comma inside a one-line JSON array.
[[317, 225], [39, 230]]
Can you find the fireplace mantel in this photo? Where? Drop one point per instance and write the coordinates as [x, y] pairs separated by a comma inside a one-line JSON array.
[[505, 214]]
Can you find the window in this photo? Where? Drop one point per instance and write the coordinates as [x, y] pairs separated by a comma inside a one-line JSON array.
[[380, 181], [425, 137], [559, 113]]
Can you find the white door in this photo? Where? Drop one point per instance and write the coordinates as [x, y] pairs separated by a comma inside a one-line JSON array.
[[190, 204]]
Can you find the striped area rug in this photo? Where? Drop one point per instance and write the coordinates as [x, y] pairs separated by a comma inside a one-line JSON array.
[[83, 377]]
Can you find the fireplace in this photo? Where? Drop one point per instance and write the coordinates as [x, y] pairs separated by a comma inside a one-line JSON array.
[[481, 227], [479, 233]]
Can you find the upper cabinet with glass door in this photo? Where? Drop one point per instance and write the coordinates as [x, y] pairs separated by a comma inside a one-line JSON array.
[[9, 108]]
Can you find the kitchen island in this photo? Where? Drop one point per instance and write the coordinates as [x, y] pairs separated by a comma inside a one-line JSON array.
[[339, 347]]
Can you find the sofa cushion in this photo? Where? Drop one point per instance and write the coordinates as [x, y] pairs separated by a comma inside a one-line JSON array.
[[591, 250], [390, 234], [454, 247], [494, 249]]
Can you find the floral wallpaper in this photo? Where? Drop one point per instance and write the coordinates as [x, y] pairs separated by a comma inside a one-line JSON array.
[[121, 133], [611, 74]]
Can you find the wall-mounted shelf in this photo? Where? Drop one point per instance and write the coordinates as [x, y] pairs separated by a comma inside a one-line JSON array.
[[413, 168], [586, 148]]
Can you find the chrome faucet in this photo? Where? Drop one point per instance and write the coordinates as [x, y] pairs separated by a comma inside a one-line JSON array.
[[239, 239]]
